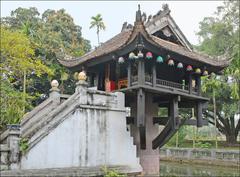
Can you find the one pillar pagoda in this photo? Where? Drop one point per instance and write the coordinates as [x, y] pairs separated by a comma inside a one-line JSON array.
[[155, 66]]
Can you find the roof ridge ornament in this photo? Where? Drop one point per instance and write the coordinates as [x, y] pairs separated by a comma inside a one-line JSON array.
[[138, 15]]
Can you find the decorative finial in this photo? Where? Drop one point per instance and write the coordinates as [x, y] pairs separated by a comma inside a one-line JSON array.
[[82, 76], [54, 85], [138, 14]]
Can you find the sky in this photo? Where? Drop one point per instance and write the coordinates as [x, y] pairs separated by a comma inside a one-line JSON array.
[[187, 14]]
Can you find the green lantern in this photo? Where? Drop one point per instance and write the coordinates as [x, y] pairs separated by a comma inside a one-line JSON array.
[[159, 59]]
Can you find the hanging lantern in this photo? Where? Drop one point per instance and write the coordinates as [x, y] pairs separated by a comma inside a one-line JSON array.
[[131, 56], [189, 68], [149, 55], [140, 54], [170, 62], [159, 59], [180, 65], [205, 73], [120, 60], [198, 71]]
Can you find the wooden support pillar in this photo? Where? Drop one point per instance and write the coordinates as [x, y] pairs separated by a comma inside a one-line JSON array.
[[141, 72], [190, 83], [117, 74], [174, 113], [199, 114], [129, 74], [198, 82], [141, 117], [154, 74]]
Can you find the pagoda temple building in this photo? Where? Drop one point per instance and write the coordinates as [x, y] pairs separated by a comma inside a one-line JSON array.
[[153, 63]]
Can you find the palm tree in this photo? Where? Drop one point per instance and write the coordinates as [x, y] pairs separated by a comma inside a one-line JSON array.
[[97, 22]]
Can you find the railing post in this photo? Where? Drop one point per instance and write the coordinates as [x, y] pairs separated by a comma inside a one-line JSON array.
[[13, 141]]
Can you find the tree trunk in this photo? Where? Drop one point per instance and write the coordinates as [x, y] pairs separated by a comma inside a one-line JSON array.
[[231, 139], [98, 37]]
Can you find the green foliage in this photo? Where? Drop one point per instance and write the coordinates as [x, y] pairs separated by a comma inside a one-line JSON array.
[[11, 104], [23, 145], [112, 173], [201, 144], [182, 133], [30, 46], [220, 37]]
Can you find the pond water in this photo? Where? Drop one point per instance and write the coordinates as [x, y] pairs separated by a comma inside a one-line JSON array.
[[183, 169]]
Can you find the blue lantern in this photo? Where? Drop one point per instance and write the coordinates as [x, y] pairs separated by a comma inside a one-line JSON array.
[[159, 59]]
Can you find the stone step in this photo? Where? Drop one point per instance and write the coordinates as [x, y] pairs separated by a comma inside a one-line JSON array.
[[74, 171]]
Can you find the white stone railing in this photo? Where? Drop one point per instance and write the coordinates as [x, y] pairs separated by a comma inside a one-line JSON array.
[[203, 154]]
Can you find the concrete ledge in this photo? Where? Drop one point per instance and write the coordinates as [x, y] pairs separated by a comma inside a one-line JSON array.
[[75, 171]]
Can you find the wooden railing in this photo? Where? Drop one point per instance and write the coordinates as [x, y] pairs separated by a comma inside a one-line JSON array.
[[163, 83], [171, 84]]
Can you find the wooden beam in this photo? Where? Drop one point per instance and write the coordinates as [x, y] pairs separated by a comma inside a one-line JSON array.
[[160, 120], [194, 122]]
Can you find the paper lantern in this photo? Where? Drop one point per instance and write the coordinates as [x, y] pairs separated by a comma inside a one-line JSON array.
[[170, 62], [205, 73], [149, 55], [120, 60], [189, 68], [198, 71], [140, 54], [131, 56], [159, 59], [180, 65]]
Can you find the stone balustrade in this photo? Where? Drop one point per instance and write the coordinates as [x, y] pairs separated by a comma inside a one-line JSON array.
[[230, 157]]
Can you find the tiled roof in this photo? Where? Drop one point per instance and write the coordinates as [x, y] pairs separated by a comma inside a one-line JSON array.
[[127, 36]]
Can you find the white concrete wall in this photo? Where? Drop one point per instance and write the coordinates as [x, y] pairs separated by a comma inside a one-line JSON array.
[[91, 136]]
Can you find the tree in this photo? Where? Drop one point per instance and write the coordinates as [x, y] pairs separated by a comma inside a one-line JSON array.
[[219, 36], [97, 22], [17, 61], [54, 35]]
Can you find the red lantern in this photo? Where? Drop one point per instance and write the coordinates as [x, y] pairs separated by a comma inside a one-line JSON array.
[[149, 55], [189, 68]]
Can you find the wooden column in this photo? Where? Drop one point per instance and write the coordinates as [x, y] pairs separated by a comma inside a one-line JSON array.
[[141, 72], [141, 117], [198, 82], [140, 108], [190, 83], [199, 114], [117, 74], [173, 114], [129, 74], [154, 74]]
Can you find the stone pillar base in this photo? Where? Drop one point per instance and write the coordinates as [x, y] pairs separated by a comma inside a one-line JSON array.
[[150, 164]]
